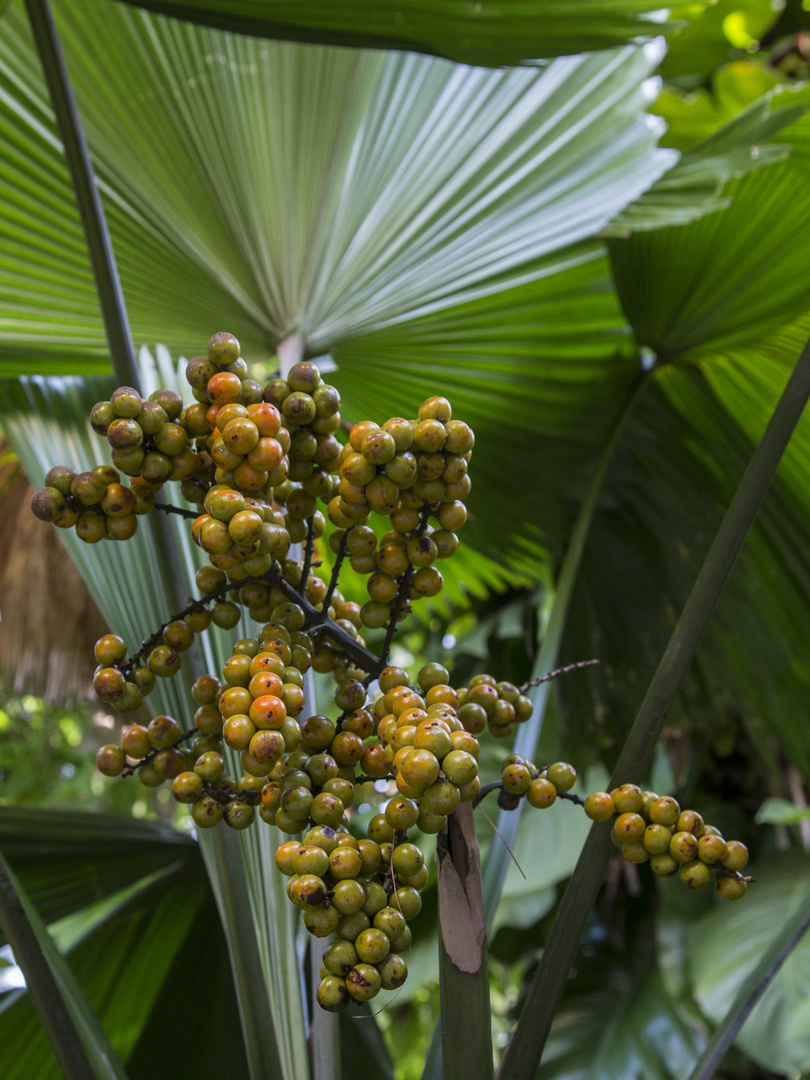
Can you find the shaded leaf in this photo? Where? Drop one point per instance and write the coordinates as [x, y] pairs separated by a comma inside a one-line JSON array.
[[727, 279], [725, 945], [55, 990], [485, 33], [69, 861], [630, 1030]]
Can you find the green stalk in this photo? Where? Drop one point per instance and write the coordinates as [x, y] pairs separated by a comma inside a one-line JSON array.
[[751, 991], [72, 1029], [223, 859], [91, 212], [324, 1032], [100, 251], [466, 1023], [523, 1054], [528, 736]]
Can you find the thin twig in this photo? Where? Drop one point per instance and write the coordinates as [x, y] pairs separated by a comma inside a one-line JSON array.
[[558, 671], [495, 827]]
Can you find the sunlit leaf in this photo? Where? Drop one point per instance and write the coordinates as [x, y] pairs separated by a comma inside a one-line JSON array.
[[371, 187], [781, 812], [711, 33], [694, 116], [695, 185], [718, 282]]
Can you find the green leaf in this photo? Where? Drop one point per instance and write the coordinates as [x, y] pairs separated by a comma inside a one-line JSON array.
[[130, 951], [73, 1029], [524, 1051], [725, 280], [694, 186], [707, 40], [726, 945], [780, 812], [694, 116], [486, 33], [439, 183], [72, 860], [629, 1028], [362, 1047], [686, 449]]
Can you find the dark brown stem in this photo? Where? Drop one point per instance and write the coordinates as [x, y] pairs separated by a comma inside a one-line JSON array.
[[308, 549], [149, 643], [341, 554], [167, 508], [402, 594]]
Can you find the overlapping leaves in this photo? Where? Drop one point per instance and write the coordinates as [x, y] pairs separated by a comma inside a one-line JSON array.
[[129, 903]]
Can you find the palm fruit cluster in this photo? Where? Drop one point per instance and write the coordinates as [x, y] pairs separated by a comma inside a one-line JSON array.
[[256, 462], [409, 471], [541, 786], [95, 503], [362, 891], [652, 828], [147, 438], [488, 704]]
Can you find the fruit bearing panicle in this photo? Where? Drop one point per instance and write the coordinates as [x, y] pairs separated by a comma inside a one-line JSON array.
[[265, 470]]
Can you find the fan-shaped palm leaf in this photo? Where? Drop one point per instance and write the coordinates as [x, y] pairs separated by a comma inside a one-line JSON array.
[[330, 192]]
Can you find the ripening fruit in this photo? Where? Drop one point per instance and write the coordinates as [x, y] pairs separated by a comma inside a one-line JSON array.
[[206, 812], [393, 972], [562, 775], [736, 856], [110, 760], [730, 888], [695, 874], [599, 806], [627, 799], [363, 982], [332, 994], [629, 828], [541, 793], [683, 847], [665, 811]]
